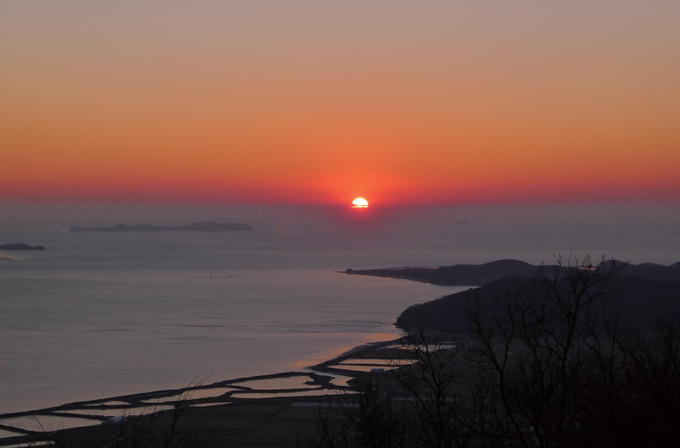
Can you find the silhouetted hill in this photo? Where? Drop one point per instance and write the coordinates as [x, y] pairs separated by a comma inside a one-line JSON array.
[[643, 297], [656, 272], [196, 227], [478, 275], [20, 246], [457, 275], [447, 314], [473, 275]]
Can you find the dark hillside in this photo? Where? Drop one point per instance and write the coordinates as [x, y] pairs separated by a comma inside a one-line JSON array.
[[474, 275], [457, 275], [481, 274], [641, 297]]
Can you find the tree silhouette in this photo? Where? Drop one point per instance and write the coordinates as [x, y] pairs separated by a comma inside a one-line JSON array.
[[550, 364]]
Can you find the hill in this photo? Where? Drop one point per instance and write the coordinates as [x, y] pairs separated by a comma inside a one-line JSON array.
[[456, 275], [481, 274], [641, 297]]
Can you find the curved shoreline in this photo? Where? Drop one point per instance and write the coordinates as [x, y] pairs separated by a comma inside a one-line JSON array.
[[315, 384]]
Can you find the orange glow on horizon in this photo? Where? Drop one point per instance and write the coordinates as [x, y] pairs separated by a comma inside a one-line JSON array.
[[450, 104]]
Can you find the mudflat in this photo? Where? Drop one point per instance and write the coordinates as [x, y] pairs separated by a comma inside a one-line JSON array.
[[267, 410]]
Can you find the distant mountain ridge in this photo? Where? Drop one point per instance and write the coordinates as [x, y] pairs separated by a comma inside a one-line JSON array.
[[207, 226], [456, 275], [481, 274]]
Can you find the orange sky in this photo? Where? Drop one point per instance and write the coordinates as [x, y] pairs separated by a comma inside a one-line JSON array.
[[320, 102]]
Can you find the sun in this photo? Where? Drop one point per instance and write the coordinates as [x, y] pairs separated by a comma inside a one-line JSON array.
[[360, 203]]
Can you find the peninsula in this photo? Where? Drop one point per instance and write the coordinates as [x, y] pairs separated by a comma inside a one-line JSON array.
[[456, 275], [648, 289], [482, 274], [208, 226]]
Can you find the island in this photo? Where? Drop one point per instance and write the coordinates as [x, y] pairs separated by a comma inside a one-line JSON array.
[[20, 246], [208, 226]]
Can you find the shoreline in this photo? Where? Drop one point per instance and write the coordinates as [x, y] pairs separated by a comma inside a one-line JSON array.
[[313, 383]]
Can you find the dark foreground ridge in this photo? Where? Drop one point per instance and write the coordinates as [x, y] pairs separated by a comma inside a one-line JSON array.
[[20, 246], [646, 290], [208, 226]]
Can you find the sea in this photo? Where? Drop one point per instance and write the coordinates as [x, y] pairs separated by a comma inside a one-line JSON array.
[[98, 314]]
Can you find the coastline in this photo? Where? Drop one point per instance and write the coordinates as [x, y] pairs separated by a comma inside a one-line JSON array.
[[308, 387], [227, 333]]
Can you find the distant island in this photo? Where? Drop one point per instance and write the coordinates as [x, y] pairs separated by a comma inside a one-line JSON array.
[[20, 246], [208, 226]]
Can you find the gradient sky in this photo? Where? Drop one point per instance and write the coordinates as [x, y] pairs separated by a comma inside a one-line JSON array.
[[319, 102]]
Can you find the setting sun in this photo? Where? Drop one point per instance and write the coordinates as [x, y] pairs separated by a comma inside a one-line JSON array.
[[360, 203]]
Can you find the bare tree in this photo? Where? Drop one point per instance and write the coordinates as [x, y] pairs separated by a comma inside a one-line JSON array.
[[419, 401], [551, 364], [430, 383], [366, 418], [538, 346]]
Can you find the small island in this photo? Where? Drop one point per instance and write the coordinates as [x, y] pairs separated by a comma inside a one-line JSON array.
[[20, 246], [208, 226]]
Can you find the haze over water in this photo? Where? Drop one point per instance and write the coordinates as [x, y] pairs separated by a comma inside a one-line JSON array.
[[104, 314]]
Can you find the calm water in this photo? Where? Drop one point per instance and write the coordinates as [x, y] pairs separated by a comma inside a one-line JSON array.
[[99, 314]]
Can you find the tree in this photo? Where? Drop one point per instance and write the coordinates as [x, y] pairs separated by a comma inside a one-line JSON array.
[[543, 349], [550, 364], [414, 404]]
